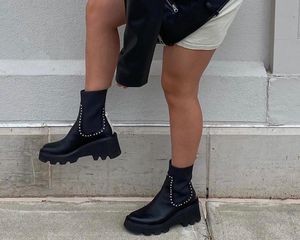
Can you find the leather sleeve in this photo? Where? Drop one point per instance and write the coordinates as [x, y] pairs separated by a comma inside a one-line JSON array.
[[143, 21]]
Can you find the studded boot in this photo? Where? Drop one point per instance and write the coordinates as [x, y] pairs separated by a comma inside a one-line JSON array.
[[176, 203], [91, 134]]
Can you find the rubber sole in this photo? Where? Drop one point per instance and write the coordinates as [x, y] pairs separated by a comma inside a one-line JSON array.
[[187, 216], [103, 148]]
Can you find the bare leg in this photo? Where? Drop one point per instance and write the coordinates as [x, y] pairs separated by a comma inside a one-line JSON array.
[[180, 82], [102, 41]]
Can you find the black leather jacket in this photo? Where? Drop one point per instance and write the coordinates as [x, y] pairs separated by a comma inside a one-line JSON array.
[[143, 24], [143, 21]]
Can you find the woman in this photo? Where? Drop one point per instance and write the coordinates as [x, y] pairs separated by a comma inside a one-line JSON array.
[[92, 133]]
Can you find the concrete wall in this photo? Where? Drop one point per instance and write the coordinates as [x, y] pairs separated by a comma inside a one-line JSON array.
[[238, 162], [42, 59], [248, 148], [35, 29]]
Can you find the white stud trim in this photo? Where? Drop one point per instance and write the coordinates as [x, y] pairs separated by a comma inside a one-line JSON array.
[[171, 193], [95, 133]]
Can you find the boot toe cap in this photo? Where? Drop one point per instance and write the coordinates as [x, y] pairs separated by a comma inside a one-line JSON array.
[[145, 216], [50, 147], [138, 215]]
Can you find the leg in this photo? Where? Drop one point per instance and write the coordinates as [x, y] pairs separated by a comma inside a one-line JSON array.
[[92, 134], [180, 82], [177, 201], [102, 41]]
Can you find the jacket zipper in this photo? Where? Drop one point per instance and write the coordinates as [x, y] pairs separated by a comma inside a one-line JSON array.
[[174, 7]]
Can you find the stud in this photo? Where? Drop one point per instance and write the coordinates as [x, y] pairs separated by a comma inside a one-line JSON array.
[[171, 193], [95, 133]]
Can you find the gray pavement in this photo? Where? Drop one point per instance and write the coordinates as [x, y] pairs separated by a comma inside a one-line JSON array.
[[91, 219], [253, 220], [74, 221]]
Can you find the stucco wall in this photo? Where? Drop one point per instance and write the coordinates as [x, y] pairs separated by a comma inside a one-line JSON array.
[[43, 29]]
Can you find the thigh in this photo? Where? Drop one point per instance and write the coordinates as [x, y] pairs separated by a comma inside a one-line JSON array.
[[182, 68]]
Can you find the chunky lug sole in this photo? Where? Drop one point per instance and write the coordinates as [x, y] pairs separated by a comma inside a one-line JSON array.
[[189, 215], [103, 148]]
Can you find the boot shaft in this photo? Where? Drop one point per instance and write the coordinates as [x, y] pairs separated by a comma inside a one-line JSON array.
[[92, 118]]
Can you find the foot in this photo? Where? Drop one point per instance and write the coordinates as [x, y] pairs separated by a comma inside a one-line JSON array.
[[176, 203], [91, 134]]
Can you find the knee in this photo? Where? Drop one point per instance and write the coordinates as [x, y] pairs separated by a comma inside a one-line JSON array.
[[176, 91], [96, 11]]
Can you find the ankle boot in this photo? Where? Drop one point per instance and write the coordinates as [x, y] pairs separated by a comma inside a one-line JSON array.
[[176, 203], [91, 134]]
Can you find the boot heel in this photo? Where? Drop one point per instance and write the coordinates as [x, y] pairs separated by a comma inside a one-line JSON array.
[[106, 148], [190, 215]]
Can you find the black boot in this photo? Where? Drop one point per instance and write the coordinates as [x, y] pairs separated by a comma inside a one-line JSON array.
[[175, 203], [91, 134]]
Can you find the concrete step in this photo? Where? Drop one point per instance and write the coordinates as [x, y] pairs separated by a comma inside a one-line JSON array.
[[240, 161], [102, 218], [80, 220], [45, 91], [230, 91], [253, 220]]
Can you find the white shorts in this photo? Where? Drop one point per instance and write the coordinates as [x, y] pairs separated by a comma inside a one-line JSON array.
[[212, 33]]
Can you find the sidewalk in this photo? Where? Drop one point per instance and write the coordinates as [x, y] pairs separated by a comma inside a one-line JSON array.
[[102, 218]]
